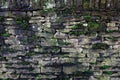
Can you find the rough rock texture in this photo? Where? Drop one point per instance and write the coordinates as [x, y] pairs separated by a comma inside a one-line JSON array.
[[47, 51]]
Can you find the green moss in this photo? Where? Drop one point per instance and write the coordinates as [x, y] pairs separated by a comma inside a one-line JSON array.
[[112, 31], [1, 58], [11, 50], [38, 77], [23, 21], [65, 43], [87, 18], [80, 73], [86, 4], [78, 26], [75, 27], [89, 72], [30, 54], [77, 32], [100, 46], [25, 63], [4, 1], [77, 73], [6, 35], [105, 67], [70, 33], [93, 26], [79, 29], [108, 72], [112, 38], [46, 11], [1, 18]]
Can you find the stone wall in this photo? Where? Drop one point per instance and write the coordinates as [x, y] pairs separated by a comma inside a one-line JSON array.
[[46, 50]]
